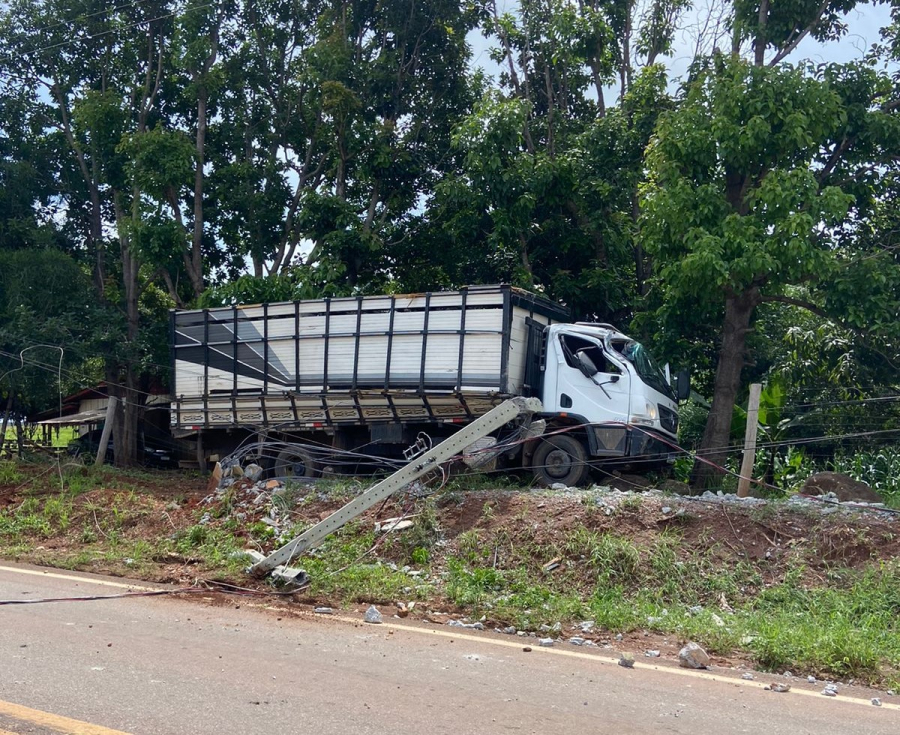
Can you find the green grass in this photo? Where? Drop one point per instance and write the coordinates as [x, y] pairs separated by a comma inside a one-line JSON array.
[[842, 624]]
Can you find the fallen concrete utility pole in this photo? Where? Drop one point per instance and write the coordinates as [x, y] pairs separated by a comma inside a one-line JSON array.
[[276, 562]]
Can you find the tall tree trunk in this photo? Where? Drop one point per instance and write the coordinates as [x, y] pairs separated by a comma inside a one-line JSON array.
[[739, 310], [760, 41]]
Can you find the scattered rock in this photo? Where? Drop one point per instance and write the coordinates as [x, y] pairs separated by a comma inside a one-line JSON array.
[[719, 622], [510, 630], [811, 679], [273, 484], [787, 675], [546, 642], [651, 654], [780, 687], [618, 636], [692, 656], [323, 610], [842, 486], [829, 692], [402, 610], [527, 649], [373, 615], [747, 676], [577, 641], [253, 472], [586, 626], [626, 660], [876, 701]]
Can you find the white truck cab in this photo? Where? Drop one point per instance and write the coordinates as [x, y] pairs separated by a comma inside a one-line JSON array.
[[599, 377]]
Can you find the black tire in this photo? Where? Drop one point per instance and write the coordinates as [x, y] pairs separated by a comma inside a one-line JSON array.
[[297, 462], [560, 459]]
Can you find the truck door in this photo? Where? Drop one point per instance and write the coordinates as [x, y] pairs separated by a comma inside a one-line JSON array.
[[580, 395]]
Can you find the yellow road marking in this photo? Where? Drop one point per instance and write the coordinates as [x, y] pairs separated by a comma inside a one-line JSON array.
[[54, 722], [75, 578]]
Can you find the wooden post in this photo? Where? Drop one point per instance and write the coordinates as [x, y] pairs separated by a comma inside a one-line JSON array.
[[107, 431], [749, 440]]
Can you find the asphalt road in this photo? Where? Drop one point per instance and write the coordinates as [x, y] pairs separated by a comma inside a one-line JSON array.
[[167, 665]]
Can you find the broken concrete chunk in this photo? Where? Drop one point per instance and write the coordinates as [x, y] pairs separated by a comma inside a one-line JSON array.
[[692, 656], [876, 701], [780, 687], [546, 642], [626, 660], [826, 692], [747, 677], [577, 641], [253, 472], [373, 615], [651, 654], [323, 611]]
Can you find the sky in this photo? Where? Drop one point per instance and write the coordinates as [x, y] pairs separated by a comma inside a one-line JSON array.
[[863, 30]]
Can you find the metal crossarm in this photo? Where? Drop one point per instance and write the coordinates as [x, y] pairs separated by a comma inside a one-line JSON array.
[[494, 419]]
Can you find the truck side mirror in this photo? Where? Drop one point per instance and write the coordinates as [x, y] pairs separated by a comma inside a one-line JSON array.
[[586, 364], [683, 385]]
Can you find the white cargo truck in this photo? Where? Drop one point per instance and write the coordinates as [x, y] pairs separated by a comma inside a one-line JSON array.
[[377, 371]]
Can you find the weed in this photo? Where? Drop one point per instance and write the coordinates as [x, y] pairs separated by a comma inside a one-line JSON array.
[[9, 474]]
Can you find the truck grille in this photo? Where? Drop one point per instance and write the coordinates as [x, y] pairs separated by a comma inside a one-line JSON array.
[[668, 419]]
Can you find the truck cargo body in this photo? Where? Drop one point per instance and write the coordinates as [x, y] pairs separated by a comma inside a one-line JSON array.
[[381, 368]]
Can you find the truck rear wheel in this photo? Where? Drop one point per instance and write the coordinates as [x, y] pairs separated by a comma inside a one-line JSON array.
[[295, 462], [560, 459]]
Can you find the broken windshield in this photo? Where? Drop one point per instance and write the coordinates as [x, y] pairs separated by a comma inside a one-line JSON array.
[[645, 365]]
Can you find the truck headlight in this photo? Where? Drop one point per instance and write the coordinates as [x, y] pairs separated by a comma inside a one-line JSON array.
[[648, 418]]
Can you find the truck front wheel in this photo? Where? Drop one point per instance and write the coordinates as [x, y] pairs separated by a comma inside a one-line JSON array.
[[295, 462], [560, 459]]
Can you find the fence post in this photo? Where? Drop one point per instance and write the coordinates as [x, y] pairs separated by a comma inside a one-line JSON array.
[[107, 430], [749, 440]]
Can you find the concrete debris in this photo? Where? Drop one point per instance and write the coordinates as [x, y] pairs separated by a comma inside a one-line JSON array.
[[788, 675], [577, 640], [461, 624], [253, 472], [373, 615], [692, 656], [618, 636], [665, 510], [829, 692], [876, 701], [695, 609], [392, 524], [651, 654], [811, 679], [626, 660], [323, 611], [747, 676], [559, 487], [546, 642], [780, 687], [890, 692], [586, 626]]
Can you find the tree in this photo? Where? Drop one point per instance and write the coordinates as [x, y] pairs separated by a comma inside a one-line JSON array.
[[753, 184]]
